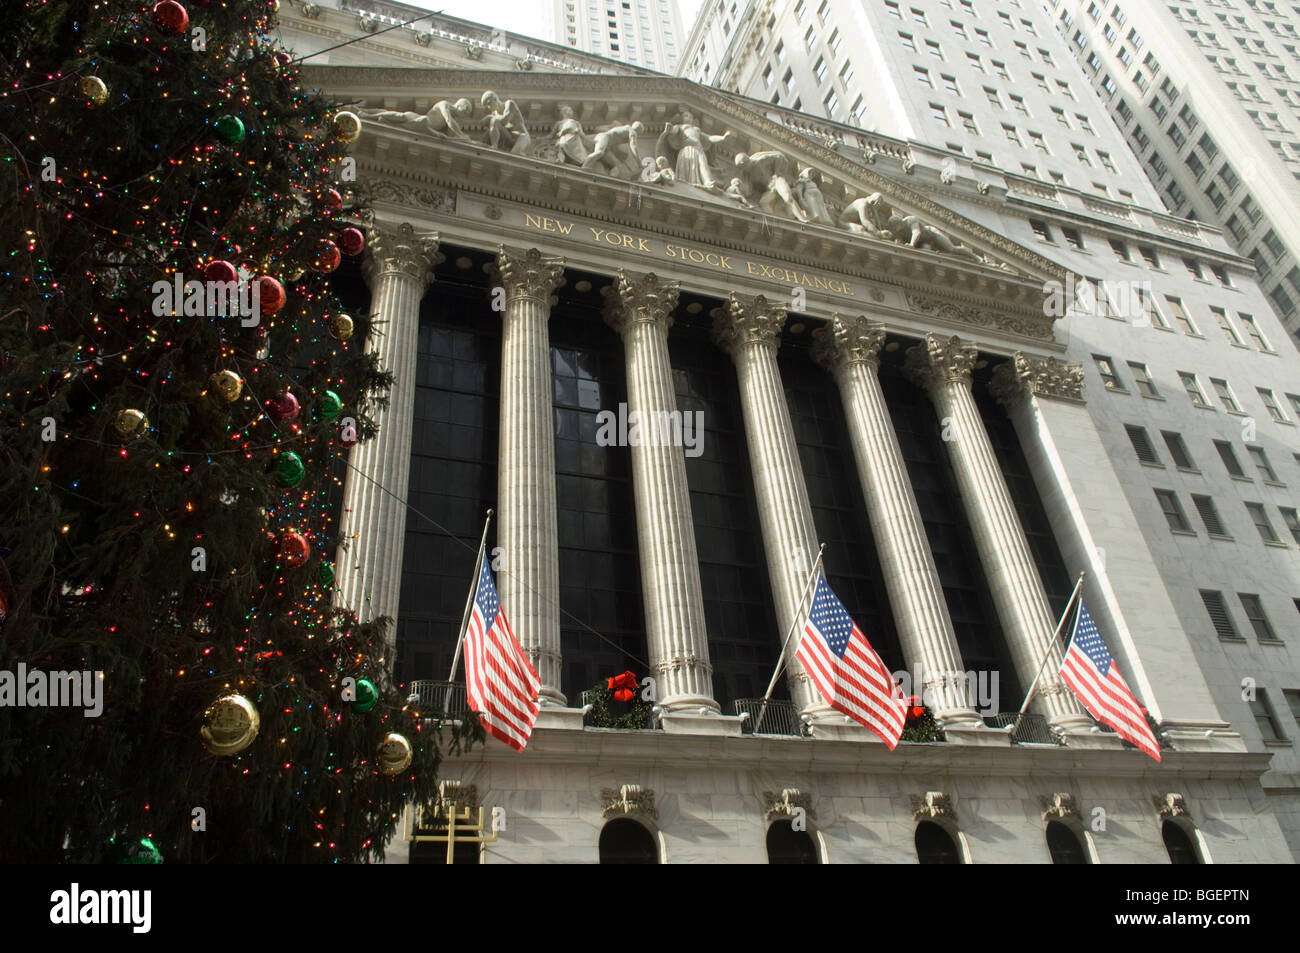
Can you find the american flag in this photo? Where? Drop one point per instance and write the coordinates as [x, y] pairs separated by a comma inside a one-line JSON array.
[[1094, 678], [846, 670], [500, 683]]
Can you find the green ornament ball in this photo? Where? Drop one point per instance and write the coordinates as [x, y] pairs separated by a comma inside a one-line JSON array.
[[229, 128], [327, 573], [330, 405], [367, 695], [143, 852], [289, 469]]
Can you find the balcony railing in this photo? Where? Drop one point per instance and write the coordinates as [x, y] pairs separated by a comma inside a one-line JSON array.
[[780, 718], [1032, 730], [433, 699]]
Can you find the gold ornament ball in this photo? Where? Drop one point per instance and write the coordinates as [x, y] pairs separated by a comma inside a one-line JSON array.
[[340, 327], [347, 126], [229, 725], [93, 88], [130, 423], [227, 384], [394, 754]]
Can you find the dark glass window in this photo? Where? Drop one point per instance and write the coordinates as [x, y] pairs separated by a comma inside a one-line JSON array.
[[624, 841], [934, 845], [1064, 845], [600, 575], [743, 633], [1179, 845], [785, 845], [453, 468]]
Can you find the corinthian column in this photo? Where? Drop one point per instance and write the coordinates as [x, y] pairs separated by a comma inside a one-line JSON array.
[[398, 267], [944, 368], [529, 580], [747, 329], [640, 308], [850, 348]]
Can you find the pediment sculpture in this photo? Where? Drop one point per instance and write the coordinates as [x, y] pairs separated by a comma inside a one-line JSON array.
[[758, 179]]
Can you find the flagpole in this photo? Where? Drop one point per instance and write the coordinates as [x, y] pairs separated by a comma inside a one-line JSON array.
[[798, 611], [1048, 654], [469, 605]]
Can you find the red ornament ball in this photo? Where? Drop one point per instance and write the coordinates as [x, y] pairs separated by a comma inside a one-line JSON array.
[[328, 257], [294, 548], [271, 296], [220, 271], [333, 200], [170, 16], [349, 437], [283, 408], [352, 241]]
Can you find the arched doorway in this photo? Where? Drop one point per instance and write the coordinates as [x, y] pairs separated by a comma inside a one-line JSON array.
[[1064, 844], [624, 841], [785, 845], [1179, 844], [934, 845]]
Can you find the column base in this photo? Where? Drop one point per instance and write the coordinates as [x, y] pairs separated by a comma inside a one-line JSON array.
[[981, 735], [850, 731], [565, 719], [1201, 736], [1092, 739], [681, 723], [700, 705]]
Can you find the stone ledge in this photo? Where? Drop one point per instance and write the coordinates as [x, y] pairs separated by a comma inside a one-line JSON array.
[[676, 723]]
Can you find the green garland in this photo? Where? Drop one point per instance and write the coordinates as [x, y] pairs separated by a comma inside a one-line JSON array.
[[922, 729], [600, 716]]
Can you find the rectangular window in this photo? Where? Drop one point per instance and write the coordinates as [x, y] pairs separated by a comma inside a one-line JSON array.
[[846, 73], [819, 70], [1064, 89], [949, 84], [1106, 368], [1041, 230], [1220, 617], [1142, 377], [1291, 518], [1181, 317], [939, 114], [1178, 450], [1149, 255], [1142, 444], [1120, 249], [923, 76], [968, 121], [1226, 397], [1254, 609], [1229, 458], [935, 50], [1072, 236], [1011, 134], [1271, 404], [1259, 516], [1229, 330], [974, 62], [991, 95], [1173, 511], [1209, 516], [909, 44], [1252, 329], [1293, 700], [1262, 464], [1268, 727]]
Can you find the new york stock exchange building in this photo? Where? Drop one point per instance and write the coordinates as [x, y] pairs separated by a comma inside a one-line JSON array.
[[842, 341]]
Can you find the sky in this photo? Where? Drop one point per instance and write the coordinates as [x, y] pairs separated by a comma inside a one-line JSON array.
[[531, 17]]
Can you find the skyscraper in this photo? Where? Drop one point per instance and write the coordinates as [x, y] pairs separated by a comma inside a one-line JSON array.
[[1208, 96], [642, 32]]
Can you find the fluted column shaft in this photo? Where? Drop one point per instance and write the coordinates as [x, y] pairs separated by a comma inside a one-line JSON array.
[[398, 267], [529, 578], [945, 369], [850, 347], [748, 330], [640, 308]]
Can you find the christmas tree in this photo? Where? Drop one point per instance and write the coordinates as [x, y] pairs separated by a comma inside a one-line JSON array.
[[179, 389]]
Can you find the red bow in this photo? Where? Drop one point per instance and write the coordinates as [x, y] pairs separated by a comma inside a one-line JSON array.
[[915, 708], [623, 686]]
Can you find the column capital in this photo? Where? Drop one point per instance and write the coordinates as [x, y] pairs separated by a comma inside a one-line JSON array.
[[400, 250], [939, 361], [845, 341], [1024, 376], [636, 298], [528, 273], [747, 321]]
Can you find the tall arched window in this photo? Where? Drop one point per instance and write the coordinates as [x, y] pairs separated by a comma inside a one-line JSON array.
[[934, 845], [624, 841], [1179, 844], [1064, 844], [785, 845]]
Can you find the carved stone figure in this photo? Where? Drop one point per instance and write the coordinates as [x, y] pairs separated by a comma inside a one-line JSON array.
[[770, 171], [736, 190], [443, 118], [663, 174], [506, 128], [615, 151], [809, 196], [572, 142], [691, 146], [875, 216]]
